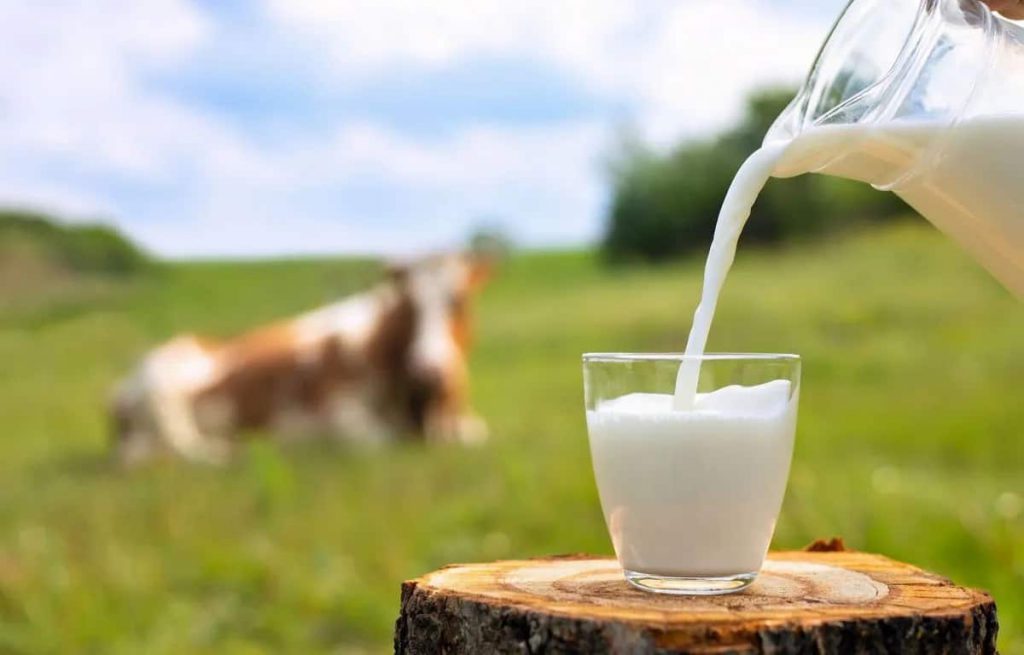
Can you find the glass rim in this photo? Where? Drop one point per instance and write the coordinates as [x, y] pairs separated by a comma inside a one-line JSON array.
[[611, 357]]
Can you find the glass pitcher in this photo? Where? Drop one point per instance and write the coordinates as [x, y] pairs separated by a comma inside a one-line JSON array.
[[924, 98]]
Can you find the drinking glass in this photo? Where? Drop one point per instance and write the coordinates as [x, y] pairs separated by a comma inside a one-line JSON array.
[[690, 497]]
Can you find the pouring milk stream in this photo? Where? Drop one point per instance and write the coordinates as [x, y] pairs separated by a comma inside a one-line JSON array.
[[975, 195], [942, 127], [924, 98]]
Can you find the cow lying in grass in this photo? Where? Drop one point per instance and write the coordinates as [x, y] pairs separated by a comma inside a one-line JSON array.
[[379, 365]]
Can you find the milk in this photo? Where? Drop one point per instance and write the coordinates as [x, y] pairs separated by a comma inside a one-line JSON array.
[[971, 187], [695, 492], [733, 215], [691, 483], [973, 190]]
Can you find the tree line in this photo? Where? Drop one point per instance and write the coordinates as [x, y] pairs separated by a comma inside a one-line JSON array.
[[79, 247]]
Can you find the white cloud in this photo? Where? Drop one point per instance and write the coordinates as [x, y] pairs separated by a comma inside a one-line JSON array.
[[83, 108], [707, 56], [541, 178], [684, 65], [366, 34], [71, 90], [478, 156], [81, 118]]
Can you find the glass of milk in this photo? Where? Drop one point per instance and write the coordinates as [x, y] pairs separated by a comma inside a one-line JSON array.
[[690, 496]]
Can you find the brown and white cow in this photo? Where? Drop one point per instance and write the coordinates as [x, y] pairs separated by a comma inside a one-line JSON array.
[[378, 365]]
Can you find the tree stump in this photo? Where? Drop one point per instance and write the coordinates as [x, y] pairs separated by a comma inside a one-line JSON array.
[[802, 602]]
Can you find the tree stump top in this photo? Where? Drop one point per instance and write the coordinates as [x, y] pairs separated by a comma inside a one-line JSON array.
[[816, 602]]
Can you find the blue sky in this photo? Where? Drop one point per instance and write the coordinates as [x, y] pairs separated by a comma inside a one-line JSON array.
[[301, 126]]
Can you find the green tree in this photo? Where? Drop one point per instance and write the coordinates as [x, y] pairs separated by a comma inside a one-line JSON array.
[[93, 248]]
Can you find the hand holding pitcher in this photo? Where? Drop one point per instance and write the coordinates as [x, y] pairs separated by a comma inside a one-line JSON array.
[[1009, 8]]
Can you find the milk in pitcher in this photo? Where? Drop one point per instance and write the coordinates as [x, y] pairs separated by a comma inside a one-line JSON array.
[[972, 188]]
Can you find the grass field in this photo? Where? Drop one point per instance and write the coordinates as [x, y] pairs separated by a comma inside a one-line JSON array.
[[910, 443]]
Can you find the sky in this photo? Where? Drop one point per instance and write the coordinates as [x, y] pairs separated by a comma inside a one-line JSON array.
[[283, 127]]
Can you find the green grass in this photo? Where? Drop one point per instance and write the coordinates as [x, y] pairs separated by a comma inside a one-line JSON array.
[[910, 444]]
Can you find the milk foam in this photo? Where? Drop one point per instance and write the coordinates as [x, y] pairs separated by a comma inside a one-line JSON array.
[[735, 400]]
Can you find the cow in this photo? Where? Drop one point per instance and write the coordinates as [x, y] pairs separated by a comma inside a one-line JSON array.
[[377, 366]]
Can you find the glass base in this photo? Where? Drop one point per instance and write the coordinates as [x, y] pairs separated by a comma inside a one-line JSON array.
[[689, 586]]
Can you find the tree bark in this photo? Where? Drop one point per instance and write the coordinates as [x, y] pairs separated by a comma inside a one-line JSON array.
[[802, 602]]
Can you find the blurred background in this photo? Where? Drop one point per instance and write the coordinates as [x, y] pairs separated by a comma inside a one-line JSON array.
[[170, 166]]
